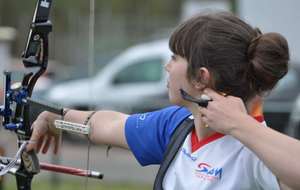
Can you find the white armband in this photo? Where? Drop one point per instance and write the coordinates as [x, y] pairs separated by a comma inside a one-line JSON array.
[[73, 127]]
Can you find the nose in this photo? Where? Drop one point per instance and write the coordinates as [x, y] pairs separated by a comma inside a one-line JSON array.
[[167, 66]]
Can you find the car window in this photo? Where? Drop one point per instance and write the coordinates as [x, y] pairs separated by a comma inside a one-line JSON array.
[[149, 70]]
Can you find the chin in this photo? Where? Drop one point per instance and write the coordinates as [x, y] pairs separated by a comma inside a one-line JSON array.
[[176, 100]]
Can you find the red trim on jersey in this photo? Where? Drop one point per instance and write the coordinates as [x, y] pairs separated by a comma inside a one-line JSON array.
[[196, 143], [260, 118]]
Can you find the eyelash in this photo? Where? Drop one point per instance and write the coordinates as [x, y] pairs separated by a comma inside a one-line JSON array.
[[173, 57]]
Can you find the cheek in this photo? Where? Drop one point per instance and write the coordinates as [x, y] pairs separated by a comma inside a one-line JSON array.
[[174, 92], [177, 80]]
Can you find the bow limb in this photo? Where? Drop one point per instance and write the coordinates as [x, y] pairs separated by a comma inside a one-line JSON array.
[[34, 57]]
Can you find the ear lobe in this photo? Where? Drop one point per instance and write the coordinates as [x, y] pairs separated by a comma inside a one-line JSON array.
[[198, 85]]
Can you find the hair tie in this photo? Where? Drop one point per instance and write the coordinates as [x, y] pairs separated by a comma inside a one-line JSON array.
[[256, 38], [253, 43]]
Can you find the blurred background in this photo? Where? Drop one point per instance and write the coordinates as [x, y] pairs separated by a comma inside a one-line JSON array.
[[110, 55]]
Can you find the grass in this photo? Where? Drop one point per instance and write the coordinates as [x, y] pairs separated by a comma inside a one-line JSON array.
[[79, 185]]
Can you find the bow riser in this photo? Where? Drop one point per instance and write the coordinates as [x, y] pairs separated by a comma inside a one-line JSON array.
[[18, 103], [34, 57]]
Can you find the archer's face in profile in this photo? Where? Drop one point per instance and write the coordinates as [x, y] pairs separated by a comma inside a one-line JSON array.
[[177, 70]]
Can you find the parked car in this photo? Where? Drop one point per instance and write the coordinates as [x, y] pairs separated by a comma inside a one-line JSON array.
[[293, 128], [136, 82], [279, 104]]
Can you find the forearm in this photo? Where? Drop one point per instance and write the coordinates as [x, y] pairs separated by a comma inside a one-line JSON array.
[[279, 152], [76, 116], [106, 127]]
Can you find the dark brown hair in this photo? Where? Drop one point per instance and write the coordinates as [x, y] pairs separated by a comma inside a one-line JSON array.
[[243, 61]]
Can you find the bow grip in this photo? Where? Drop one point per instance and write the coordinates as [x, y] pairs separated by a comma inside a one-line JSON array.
[[31, 162]]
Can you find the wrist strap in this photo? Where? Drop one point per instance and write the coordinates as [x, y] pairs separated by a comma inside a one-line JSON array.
[[73, 127], [65, 111], [89, 118]]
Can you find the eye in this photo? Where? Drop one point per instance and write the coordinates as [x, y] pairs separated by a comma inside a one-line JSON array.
[[173, 57]]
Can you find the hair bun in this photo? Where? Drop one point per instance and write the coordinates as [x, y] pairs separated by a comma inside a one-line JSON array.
[[268, 56]]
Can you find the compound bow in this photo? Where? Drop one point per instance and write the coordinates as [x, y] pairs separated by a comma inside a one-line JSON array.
[[18, 101]]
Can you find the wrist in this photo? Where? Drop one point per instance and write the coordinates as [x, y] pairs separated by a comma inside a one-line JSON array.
[[47, 116], [242, 125]]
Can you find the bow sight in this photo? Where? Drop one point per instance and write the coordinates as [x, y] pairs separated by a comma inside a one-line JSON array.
[[35, 56], [18, 101]]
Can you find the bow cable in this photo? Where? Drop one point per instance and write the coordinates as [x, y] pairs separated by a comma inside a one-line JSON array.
[[91, 65]]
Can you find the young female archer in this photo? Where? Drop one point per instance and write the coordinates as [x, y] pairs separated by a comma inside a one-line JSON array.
[[218, 55]]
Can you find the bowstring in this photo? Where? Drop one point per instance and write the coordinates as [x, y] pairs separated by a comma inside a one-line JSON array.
[[91, 56]]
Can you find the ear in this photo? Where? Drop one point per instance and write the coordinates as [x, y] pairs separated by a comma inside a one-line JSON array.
[[202, 78]]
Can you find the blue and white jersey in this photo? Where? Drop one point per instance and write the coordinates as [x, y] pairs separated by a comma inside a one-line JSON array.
[[216, 162]]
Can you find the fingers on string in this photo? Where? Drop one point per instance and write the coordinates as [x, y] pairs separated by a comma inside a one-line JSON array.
[[204, 119], [204, 114], [203, 111]]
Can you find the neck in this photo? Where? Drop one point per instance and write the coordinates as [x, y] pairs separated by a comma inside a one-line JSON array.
[[201, 131]]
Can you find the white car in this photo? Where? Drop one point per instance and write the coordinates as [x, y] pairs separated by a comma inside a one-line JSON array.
[[135, 81]]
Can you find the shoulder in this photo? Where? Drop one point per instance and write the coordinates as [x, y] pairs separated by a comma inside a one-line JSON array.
[[170, 116], [174, 112], [147, 134]]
